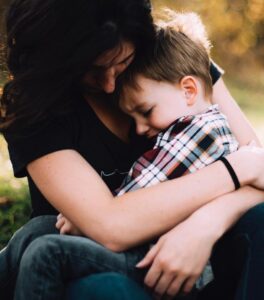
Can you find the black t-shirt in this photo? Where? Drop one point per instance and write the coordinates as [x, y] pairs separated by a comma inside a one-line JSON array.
[[83, 132]]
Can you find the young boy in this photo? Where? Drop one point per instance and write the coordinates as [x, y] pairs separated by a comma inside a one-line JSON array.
[[169, 96]]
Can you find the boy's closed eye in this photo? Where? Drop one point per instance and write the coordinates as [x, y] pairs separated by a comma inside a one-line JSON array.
[[146, 113]]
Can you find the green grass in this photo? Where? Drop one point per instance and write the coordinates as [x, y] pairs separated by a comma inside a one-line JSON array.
[[14, 210], [14, 198]]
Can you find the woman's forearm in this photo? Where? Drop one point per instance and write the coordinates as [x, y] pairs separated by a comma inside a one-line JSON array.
[[239, 124], [141, 215], [77, 191], [221, 214], [163, 206]]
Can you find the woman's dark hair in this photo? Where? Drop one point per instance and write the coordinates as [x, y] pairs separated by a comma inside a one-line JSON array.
[[52, 43]]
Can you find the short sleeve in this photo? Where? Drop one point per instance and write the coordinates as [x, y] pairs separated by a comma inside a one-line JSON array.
[[54, 136], [215, 71]]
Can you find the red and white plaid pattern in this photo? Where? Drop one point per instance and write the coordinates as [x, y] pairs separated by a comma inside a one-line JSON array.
[[189, 144]]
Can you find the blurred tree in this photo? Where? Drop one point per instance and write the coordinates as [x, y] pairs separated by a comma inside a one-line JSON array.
[[3, 5], [236, 28]]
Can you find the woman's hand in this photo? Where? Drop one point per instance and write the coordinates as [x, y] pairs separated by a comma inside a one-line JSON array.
[[179, 257], [66, 227]]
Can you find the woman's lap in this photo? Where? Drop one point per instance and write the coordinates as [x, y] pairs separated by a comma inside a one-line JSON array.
[[118, 286], [10, 256], [238, 262]]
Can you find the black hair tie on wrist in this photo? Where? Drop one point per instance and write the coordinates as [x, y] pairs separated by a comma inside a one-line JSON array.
[[231, 172]]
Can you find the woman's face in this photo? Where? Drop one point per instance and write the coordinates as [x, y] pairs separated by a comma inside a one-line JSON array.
[[108, 66]]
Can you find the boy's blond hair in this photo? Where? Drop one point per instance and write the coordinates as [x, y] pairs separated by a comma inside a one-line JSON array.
[[178, 51]]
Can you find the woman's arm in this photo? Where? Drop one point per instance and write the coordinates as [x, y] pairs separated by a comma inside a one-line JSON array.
[[180, 255], [236, 118], [76, 190]]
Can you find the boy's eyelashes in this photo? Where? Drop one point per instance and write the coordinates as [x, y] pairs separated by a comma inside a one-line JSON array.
[[147, 112]]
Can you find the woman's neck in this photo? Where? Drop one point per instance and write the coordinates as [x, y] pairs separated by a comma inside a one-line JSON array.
[[111, 116]]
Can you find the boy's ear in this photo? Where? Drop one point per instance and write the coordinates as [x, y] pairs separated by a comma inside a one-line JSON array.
[[189, 87]]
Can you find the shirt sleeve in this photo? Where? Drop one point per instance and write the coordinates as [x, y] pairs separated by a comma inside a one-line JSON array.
[[189, 151], [54, 136]]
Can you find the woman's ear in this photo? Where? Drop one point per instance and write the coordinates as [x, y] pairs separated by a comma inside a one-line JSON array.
[[188, 85]]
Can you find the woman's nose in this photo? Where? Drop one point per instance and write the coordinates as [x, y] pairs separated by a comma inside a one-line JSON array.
[[108, 84]]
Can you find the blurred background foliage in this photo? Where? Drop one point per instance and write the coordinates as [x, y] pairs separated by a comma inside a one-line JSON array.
[[236, 29]]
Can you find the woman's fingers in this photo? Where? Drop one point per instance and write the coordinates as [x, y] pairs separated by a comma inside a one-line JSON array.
[[163, 283], [175, 286], [148, 259], [153, 275], [189, 284]]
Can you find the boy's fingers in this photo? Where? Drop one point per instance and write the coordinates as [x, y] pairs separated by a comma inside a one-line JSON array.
[[59, 216], [60, 223]]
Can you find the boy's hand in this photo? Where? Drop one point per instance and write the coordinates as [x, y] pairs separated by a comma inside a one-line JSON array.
[[66, 227]]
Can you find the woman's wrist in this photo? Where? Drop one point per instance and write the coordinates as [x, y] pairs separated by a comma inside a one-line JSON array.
[[205, 223], [216, 219], [231, 172], [243, 167]]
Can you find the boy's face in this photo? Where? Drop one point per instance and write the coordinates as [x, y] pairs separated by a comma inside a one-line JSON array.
[[155, 106]]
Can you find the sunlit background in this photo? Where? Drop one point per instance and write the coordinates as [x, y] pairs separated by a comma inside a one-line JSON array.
[[236, 30]]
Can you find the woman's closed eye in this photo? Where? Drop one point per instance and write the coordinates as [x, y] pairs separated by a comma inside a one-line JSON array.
[[128, 59]]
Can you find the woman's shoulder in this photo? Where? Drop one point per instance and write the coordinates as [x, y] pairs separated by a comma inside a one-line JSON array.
[[56, 132]]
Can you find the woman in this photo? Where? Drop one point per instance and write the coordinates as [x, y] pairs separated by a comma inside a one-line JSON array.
[[63, 132]]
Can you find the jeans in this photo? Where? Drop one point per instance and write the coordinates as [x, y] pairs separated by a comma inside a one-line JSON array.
[[52, 260], [105, 286], [114, 286], [11, 255], [237, 260]]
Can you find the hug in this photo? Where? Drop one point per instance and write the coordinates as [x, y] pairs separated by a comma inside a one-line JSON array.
[[145, 176]]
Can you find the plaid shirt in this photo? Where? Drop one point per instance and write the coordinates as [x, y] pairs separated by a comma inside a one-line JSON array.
[[189, 144]]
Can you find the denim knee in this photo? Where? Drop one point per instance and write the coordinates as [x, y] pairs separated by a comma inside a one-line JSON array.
[[34, 228], [40, 253]]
